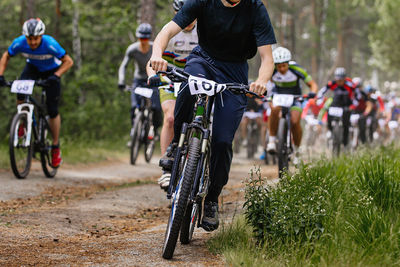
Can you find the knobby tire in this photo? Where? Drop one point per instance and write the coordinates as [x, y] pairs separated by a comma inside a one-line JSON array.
[[135, 139], [180, 200], [283, 159], [23, 172], [45, 150]]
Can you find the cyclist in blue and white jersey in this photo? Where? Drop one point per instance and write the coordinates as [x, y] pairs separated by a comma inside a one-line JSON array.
[[230, 32], [46, 60], [176, 53], [286, 80]]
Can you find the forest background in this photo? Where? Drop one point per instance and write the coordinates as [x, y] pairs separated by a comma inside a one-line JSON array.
[[361, 35]]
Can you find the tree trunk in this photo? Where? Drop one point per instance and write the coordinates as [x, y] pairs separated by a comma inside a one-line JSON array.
[[57, 20], [21, 13], [76, 39], [147, 12], [31, 8], [317, 16]]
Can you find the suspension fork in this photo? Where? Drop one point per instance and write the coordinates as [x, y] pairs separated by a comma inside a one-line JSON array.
[[177, 159], [200, 171]]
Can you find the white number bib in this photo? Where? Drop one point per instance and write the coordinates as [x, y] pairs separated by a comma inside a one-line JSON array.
[[283, 100], [199, 86], [143, 91], [23, 87], [335, 112]]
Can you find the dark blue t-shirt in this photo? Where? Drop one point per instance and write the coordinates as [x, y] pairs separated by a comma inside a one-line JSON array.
[[46, 57], [228, 33]]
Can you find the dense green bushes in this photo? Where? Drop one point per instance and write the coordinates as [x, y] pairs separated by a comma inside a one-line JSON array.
[[333, 212]]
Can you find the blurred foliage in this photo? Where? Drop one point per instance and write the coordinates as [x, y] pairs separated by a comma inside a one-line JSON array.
[[91, 105]]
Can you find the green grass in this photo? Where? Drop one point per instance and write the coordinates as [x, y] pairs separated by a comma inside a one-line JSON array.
[[342, 212], [83, 152]]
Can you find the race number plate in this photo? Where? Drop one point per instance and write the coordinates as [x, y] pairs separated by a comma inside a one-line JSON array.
[[23, 87], [143, 91], [200, 86], [354, 118], [335, 112], [393, 125], [283, 100]]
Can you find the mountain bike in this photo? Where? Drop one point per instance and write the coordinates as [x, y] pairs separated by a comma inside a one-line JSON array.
[[190, 172], [336, 114], [29, 131], [253, 133], [285, 147], [142, 131]]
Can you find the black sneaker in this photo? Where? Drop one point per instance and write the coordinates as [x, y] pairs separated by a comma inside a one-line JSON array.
[[210, 220], [167, 160]]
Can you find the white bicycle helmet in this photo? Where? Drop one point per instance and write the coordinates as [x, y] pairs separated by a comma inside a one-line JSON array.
[[358, 81], [281, 55], [340, 73], [33, 27]]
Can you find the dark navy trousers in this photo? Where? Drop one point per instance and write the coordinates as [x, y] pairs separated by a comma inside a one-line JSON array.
[[228, 112]]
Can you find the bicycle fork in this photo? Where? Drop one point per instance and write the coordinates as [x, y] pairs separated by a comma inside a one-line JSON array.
[[27, 109]]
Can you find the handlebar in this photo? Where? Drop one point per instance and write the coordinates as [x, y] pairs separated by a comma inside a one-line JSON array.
[[40, 83], [177, 75]]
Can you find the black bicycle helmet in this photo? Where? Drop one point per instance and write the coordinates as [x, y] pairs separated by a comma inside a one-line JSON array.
[[143, 31]]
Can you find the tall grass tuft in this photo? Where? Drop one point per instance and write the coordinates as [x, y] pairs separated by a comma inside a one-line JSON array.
[[342, 212]]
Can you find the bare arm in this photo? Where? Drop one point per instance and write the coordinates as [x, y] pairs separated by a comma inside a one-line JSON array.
[[66, 64], [3, 62], [160, 44], [265, 71], [313, 86]]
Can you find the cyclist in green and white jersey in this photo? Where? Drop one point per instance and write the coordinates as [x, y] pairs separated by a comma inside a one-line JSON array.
[[286, 80], [178, 49]]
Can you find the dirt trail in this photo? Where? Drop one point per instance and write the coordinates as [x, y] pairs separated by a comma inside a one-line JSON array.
[[104, 214]]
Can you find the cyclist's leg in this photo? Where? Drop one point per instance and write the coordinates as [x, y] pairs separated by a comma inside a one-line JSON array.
[[296, 129], [346, 126], [53, 93], [362, 126], [167, 131], [243, 128], [227, 119], [135, 99], [273, 128]]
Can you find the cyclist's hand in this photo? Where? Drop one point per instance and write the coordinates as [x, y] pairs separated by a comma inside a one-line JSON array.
[[158, 64], [258, 88], [2, 81], [154, 80], [121, 87], [52, 80]]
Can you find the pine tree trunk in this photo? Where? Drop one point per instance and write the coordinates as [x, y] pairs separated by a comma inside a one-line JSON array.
[[76, 39], [58, 19], [147, 12], [31, 8]]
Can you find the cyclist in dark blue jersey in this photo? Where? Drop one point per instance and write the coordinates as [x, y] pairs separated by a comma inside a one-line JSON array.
[[230, 32], [46, 60]]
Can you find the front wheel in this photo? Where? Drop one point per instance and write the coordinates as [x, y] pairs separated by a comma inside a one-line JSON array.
[[45, 149], [337, 135], [180, 199], [283, 157], [20, 146], [135, 141]]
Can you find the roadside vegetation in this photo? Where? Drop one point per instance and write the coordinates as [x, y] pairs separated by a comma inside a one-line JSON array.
[[80, 152], [342, 212]]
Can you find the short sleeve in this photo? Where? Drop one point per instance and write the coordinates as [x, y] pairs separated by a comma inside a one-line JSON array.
[[263, 30], [14, 48], [55, 48], [188, 13]]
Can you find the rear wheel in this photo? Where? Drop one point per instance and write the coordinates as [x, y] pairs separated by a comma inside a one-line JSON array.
[[135, 141], [283, 157], [20, 151], [180, 199], [45, 149]]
